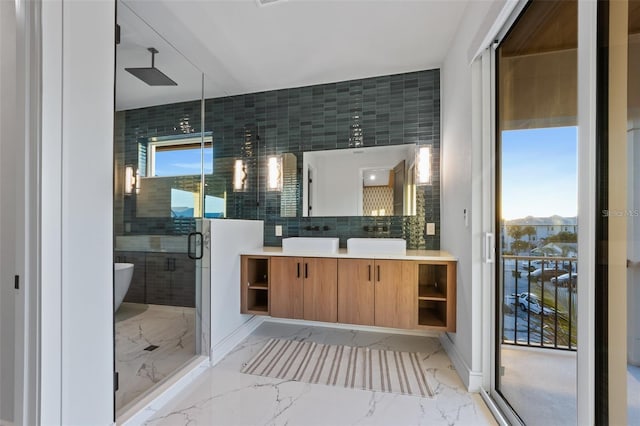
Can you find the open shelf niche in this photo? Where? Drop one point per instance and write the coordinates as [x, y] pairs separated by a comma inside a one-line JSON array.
[[255, 285], [435, 282]]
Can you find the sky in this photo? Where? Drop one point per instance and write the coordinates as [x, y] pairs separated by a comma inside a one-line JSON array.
[[539, 172], [187, 162], [183, 162]]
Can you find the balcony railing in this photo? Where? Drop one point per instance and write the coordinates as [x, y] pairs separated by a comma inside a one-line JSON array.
[[539, 301]]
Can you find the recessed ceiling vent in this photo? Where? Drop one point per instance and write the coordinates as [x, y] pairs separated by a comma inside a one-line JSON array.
[[268, 2]]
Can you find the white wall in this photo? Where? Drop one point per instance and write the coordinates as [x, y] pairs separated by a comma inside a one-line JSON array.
[[460, 172], [336, 185], [77, 176], [8, 185], [229, 238]]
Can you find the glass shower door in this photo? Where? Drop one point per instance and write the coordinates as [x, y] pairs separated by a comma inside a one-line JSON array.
[[162, 154]]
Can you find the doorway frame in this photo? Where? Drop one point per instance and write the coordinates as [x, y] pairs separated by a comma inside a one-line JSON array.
[[587, 157]]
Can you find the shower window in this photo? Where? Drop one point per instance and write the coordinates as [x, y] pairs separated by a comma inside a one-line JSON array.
[[178, 157]]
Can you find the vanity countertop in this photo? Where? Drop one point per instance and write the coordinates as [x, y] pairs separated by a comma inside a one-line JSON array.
[[430, 255]]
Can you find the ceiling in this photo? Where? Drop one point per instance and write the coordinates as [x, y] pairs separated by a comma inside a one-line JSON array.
[[243, 46]]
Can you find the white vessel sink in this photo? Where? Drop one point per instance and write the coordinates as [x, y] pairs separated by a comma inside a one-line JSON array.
[[376, 246], [310, 244]]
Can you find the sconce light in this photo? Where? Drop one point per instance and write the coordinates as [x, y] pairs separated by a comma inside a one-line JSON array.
[[239, 176], [130, 180], [423, 165], [274, 175]]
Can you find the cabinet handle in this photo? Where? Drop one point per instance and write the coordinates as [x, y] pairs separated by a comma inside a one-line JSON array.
[[378, 272], [306, 270], [167, 266], [298, 267], [369, 266]]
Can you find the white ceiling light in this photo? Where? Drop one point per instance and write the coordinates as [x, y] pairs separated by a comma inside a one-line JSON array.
[[376, 177]]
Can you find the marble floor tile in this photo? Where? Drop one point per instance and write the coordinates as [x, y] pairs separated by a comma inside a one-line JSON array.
[[224, 396], [137, 327]]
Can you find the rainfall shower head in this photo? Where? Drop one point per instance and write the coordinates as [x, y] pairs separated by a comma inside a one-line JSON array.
[[152, 75]]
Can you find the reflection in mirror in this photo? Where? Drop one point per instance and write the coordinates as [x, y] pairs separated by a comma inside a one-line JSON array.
[[288, 200], [372, 181]]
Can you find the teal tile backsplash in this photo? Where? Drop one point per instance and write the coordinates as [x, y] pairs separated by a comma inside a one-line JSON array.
[[386, 110]]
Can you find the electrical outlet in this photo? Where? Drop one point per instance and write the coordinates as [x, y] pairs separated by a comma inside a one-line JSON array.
[[431, 228], [278, 230]]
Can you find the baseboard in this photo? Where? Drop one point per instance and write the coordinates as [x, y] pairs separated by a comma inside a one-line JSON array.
[[227, 344], [471, 379], [141, 411], [5, 423], [341, 326]]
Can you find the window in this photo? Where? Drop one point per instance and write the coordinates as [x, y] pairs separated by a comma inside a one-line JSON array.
[[185, 204], [178, 157]]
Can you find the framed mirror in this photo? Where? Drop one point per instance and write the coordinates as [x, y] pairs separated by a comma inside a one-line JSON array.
[[371, 181]]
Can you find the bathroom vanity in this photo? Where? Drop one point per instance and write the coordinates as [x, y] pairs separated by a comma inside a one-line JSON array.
[[415, 290]]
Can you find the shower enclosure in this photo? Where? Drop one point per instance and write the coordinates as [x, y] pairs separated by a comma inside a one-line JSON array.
[[161, 157]]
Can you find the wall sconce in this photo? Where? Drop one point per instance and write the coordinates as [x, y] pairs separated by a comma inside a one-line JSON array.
[[274, 174], [239, 176], [131, 179], [423, 165]]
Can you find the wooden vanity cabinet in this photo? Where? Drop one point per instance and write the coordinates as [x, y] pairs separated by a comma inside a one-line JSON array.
[[304, 288], [404, 294], [356, 291], [395, 293], [286, 287], [377, 292], [320, 292]]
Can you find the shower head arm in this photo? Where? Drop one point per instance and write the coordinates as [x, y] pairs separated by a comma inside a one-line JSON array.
[[153, 51]]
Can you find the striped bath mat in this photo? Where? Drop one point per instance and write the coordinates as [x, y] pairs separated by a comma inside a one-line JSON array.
[[351, 367]]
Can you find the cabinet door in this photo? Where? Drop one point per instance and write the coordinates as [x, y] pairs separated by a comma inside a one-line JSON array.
[[356, 291], [158, 279], [286, 289], [395, 293], [183, 280], [320, 289]]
